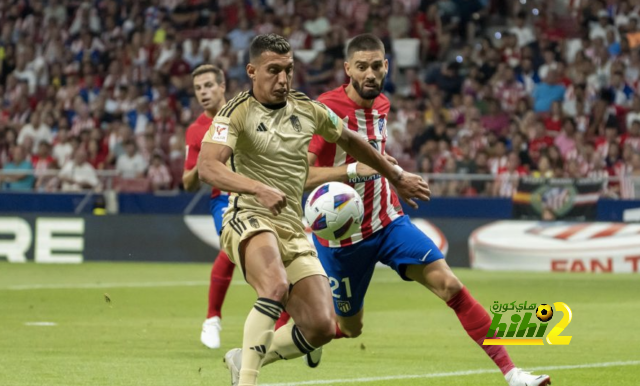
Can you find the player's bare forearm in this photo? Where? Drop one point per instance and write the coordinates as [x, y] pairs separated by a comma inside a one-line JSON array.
[[212, 170], [191, 180], [408, 186], [359, 149], [319, 175]]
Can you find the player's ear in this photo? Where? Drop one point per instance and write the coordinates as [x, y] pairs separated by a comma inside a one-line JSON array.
[[251, 71], [223, 86], [347, 69], [386, 67]]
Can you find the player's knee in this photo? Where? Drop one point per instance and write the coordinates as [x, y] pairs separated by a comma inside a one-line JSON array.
[[326, 330], [320, 330], [277, 291]]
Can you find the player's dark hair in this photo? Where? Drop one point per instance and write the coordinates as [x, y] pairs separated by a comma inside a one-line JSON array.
[[206, 68], [364, 42], [268, 42]]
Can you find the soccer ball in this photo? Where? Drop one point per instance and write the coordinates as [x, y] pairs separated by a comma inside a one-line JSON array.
[[544, 312], [334, 211]]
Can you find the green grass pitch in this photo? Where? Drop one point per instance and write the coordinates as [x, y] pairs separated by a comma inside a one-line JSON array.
[[148, 333]]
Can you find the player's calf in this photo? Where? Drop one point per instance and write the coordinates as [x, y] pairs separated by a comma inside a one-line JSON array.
[[437, 277]]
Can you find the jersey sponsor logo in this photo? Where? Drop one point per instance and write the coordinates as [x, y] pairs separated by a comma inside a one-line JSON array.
[[295, 122], [364, 179], [220, 132], [332, 116], [261, 128]]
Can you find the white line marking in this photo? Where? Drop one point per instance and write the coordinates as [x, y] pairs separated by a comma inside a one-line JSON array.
[[150, 284], [40, 324], [449, 374], [109, 285]]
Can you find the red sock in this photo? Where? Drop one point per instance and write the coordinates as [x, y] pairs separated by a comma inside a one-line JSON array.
[[284, 318], [476, 321], [339, 333], [221, 274]]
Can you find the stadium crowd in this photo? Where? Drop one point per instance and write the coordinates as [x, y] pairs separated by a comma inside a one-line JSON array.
[[498, 88]]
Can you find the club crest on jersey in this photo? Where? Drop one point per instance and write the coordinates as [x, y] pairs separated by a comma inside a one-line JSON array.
[[381, 124], [344, 306], [295, 122], [254, 223]]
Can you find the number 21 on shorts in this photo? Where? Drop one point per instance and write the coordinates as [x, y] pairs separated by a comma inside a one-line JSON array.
[[335, 287]]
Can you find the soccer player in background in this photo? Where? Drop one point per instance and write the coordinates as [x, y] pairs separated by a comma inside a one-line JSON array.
[[386, 234], [209, 88], [264, 134]]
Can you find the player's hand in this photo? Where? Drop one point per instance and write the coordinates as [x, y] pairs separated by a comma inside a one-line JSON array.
[[389, 158], [271, 198], [411, 186], [364, 170]]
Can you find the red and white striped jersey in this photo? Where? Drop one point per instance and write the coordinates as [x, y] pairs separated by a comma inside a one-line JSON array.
[[381, 204]]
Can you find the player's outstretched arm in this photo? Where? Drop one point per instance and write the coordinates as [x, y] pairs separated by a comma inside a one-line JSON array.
[[321, 175], [408, 186], [212, 170]]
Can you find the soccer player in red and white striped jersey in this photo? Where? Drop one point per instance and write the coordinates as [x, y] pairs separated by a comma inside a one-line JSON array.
[[381, 203], [386, 235]]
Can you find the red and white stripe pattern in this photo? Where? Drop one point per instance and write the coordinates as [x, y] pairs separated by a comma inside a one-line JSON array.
[[586, 231], [381, 204]]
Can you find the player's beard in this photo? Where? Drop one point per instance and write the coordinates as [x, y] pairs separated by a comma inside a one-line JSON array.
[[371, 93]]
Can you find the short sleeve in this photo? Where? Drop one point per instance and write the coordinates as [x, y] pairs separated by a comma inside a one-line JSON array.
[[223, 131], [329, 125]]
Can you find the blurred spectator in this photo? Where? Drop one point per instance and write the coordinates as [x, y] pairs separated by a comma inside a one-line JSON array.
[[398, 23], [632, 136], [495, 121], [522, 32], [623, 94], [96, 74], [318, 25], [37, 130], [77, 174], [547, 92], [566, 140], [158, 173], [62, 148], [507, 178], [241, 36], [543, 169], [131, 164], [16, 181]]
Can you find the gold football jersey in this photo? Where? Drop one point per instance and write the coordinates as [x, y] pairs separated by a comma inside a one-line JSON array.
[[270, 146]]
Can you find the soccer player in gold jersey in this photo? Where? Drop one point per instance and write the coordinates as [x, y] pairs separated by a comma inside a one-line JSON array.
[[264, 134]]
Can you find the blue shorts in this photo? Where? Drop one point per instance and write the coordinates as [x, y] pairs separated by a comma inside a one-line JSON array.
[[350, 269], [217, 207]]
